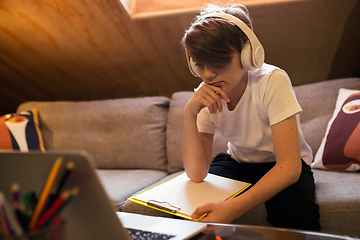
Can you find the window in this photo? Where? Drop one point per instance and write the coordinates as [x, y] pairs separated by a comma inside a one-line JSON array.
[[139, 9]]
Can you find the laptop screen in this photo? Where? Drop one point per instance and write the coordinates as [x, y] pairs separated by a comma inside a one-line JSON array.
[[90, 215]]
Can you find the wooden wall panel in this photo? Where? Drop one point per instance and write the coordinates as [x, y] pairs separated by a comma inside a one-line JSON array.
[[302, 37], [84, 50]]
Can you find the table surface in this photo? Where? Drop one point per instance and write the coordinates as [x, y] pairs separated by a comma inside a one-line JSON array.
[[232, 232]]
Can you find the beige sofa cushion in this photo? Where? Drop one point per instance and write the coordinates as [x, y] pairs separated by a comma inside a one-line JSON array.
[[120, 133], [121, 184]]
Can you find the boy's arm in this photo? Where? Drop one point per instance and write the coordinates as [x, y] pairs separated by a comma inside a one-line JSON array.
[[285, 173], [196, 153], [196, 150]]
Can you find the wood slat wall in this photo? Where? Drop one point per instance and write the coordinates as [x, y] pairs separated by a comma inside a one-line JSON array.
[[87, 50]]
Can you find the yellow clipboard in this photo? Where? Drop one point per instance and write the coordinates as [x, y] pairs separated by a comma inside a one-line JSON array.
[[180, 196]]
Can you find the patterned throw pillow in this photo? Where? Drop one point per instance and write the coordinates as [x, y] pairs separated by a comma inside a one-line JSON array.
[[340, 148], [20, 131]]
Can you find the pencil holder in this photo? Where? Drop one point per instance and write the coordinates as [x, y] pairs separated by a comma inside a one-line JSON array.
[[54, 232]]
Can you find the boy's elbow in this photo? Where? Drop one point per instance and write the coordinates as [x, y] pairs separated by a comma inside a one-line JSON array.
[[293, 172], [197, 178], [296, 177], [296, 173]]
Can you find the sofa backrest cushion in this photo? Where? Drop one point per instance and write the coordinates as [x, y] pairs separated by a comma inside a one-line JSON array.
[[118, 133]]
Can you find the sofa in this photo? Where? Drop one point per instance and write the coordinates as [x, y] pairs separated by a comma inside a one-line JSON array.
[[136, 144]]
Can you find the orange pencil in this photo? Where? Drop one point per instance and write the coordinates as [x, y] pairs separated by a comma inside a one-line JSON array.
[[45, 193]]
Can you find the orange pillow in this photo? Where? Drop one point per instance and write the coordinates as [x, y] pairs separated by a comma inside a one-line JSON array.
[[20, 131]]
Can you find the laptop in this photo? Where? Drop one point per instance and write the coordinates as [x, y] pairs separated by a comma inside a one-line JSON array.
[[91, 214]]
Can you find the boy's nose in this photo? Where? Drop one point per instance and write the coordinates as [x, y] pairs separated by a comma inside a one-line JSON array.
[[209, 74]]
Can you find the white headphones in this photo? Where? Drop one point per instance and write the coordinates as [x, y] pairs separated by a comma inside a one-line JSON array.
[[252, 54]]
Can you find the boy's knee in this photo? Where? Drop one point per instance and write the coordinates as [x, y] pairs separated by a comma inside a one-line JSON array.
[[296, 212], [303, 221]]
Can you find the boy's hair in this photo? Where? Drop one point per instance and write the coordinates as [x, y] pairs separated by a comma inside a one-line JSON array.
[[213, 40]]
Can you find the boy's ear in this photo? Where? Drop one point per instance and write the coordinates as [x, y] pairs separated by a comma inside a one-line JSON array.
[[191, 65], [193, 68]]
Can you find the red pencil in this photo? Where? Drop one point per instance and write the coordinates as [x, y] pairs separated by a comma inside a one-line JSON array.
[[3, 224], [55, 208]]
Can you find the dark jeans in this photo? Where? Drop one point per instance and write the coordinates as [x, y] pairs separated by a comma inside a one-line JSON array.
[[294, 207]]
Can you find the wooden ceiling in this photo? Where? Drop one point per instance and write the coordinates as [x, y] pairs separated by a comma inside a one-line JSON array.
[[86, 50]]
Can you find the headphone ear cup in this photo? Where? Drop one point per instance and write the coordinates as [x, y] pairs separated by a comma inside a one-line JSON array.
[[192, 67], [246, 61]]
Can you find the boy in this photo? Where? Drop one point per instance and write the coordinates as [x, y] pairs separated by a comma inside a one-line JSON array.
[[254, 106]]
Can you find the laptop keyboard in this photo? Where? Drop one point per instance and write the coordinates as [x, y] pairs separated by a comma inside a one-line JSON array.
[[146, 235]]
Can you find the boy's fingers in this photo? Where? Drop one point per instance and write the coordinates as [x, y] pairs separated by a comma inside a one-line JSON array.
[[223, 95], [213, 95], [209, 103], [219, 92], [199, 212], [216, 100], [216, 95]]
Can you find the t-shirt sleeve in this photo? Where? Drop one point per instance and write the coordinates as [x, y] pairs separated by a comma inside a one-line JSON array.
[[279, 98], [204, 122]]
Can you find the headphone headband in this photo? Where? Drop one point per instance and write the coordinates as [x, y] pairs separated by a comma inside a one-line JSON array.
[[257, 50]]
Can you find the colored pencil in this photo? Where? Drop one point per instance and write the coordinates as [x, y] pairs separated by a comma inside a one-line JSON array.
[[45, 193], [68, 169], [9, 214], [56, 208], [29, 204], [18, 206], [4, 226], [15, 192]]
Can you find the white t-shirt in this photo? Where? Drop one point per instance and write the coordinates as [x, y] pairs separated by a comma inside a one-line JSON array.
[[268, 99]]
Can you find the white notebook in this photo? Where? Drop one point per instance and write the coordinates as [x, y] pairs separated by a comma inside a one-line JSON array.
[[181, 196]]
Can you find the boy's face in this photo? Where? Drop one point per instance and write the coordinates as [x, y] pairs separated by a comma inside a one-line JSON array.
[[226, 76]]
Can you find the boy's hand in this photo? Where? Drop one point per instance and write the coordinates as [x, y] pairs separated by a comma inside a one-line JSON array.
[[207, 96], [219, 212]]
